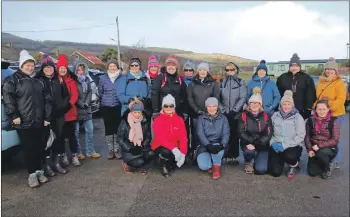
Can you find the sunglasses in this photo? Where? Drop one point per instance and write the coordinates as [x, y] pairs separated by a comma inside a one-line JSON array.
[[228, 70], [188, 70], [168, 106], [135, 65]]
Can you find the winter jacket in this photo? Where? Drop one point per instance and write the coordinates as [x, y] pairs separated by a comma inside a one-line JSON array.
[[305, 94], [70, 79], [233, 94], [255, 128], [212, 130], [323, 138], [152, 77], [290, 132], [26, 98], [335, 92], [129, 87], [107, 91], [84, 98], [171, 84], [124, 142], [270, 95], [198, 92], [169, 132]]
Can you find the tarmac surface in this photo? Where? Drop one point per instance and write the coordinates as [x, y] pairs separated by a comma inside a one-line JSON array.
[[100, 188]]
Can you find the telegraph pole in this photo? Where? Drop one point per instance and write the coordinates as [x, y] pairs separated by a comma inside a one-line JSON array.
[[118, 48], [347, 51]]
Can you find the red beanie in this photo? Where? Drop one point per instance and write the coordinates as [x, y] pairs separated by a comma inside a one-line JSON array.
[[172, 60], [62, 61]]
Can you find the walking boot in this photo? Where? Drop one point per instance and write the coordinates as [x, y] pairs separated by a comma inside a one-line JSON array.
[[64, 160], [33, 181], [109, 141], [164, 166], [216, 172], [40, 176], [57, 165], [48, 167], [116, 148], [75, 161]]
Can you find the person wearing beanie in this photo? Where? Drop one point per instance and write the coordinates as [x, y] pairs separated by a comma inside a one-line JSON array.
[[166, 83], [110, 107], [135, 84], [134, 137], [188, 71], [170, 138], [333, 88], [270, 94], [322, 138], [213, 132], [24, 97], [233, 96], [60, 105], [301, 84], [287, 142], [71, 116], [199, 90], [153, 68], [255, 132]]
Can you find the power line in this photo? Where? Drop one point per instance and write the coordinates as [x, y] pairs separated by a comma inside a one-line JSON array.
[[58, 30]]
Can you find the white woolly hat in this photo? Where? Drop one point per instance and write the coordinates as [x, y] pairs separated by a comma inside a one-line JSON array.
[[256, 97], [168, 100], [287, 97], [23, 57]]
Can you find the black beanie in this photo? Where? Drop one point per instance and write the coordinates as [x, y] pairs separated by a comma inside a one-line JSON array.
[[295, 60]]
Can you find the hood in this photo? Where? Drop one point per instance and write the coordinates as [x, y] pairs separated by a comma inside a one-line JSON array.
[[238, 69], [79, 63], [255, 77]]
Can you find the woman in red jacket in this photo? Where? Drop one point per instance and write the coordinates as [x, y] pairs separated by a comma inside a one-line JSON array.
[[170, 137], [71, 116]]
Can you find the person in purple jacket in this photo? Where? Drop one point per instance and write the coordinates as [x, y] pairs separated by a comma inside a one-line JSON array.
[[110, 106]]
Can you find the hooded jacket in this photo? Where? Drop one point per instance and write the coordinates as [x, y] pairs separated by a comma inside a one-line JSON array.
[[70, 80], [84, 97], [270, 95], [233, 94]]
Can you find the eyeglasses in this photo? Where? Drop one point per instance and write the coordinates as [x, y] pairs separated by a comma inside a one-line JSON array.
[[135, 65], [228, 70], [168, 106], [188, 70]]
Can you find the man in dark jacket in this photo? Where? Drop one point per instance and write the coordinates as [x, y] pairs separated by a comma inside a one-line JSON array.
[[301, 84]]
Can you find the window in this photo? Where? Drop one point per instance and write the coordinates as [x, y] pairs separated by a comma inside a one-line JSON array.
[[320, 66], [271, 67], [281, 68]]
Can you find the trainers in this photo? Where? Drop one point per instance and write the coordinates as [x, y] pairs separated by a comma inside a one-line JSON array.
[[33, 181], [334, 166], [111, 155], [80, 156], [327, 174], [291, 172], [126, 168], [117, 155], [94, 155], [75, 161], [248, 168], [216, 172], [40, 176], [64, 160]]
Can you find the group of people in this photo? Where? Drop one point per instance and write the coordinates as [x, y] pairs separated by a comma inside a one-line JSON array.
[[157, 115]]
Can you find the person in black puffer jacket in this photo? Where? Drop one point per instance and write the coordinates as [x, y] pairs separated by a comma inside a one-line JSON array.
[[28, 104], [134, 137], [255, 131]]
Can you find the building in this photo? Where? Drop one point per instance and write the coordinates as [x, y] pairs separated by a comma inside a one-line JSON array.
[[280, 67], [88, 58]]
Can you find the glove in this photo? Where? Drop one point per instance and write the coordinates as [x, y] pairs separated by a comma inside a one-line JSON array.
[[181, 161], [155, 114], [219, 148], [212, 148], [185, 116], [306, 113], [277, 147], [177, 154], [232, 114], [135, 150], [200, 112], [257, 142]]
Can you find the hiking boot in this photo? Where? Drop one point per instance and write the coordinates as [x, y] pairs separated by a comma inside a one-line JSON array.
[[57, 165], [80, 156], [33, 181], [47, 167], [291, 172], [111, 155], [143, 171], [163, 162], [94, 155], [334, 166], [117, 155], [327, 174], [165, 172], [233, 161], [64, 160], [40, 176], [75, 161], [216, 172], [126, 168], [249, 168]]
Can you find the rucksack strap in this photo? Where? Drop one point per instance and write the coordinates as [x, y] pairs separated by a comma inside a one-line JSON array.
[[165, 79], [244, 118]]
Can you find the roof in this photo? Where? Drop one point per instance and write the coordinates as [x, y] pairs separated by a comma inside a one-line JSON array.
[[90, 57], [308, 61]]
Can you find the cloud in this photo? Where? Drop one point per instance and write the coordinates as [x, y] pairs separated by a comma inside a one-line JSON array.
[[273, 31]]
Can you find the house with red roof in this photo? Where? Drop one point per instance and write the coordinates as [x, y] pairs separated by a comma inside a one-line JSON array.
[[88, 58]]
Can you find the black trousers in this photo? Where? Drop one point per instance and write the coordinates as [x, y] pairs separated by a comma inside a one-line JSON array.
[[320, 162], [165, 157], [69, 133], [290, 156], [233, 144], [111, 118], [141, 162], [189, 128], [34, 146], [57, 146]]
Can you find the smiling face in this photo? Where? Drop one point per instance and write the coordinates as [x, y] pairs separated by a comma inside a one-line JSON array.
[[171, 69], [202, 73], [62, 71], [28, 67], [48, 71], [80, 70], [112, 68], [261, 73], [154, 69], [189, 72], [330, 73], [169, 109], [231, 69], [287, 107], [294, 68], [135, 68], [322, 110], [212, 109], [255, 107], [136, 114]]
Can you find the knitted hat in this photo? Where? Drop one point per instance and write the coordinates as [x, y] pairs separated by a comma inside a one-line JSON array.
[[211, 101], [189, 65], [295, 60], [331, 64], [287, 97], [262, 65], [256, 97], [23, 57], [203, 65], [114, 61], [46, 60], [136, 107], [135, 60], [168, 100], [62, 61], [172, 60], [152, 61]]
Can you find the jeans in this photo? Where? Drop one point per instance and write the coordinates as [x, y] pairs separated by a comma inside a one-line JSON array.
[[340, 120], [260, 160], [206, 160], [89, 131]]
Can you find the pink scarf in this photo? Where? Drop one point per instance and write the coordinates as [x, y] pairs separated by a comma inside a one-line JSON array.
[[135, 134], [318, 122]]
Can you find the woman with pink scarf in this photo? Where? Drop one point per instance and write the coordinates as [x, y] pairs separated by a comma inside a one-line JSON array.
[[134, 137]]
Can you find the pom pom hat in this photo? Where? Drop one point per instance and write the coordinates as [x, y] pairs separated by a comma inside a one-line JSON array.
[[287, 97], [256, 97]]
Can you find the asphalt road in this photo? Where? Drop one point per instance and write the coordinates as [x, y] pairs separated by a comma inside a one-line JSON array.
[[100, 188]]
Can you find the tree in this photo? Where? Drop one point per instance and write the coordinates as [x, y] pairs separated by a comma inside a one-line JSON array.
[[108, 54], [344, 63]]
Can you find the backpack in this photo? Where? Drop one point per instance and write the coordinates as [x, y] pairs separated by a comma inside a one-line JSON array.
[[165, 80], [311, 123], [238, 81], [266, 119]]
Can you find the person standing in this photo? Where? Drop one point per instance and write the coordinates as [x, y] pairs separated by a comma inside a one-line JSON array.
[[153, 68], [188, 72], [233, 96], [301, 84], [25, 97]]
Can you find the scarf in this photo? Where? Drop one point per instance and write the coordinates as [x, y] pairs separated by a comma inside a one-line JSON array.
[[82, 80], [113, 76], [135, 134], [286, 115], [318, 121], [153, 75], [137, 76]]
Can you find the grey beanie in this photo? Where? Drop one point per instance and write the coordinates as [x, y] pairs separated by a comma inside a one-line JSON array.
[[114, 61], [168, 100], [189, 65], [203, 65], [211, 101]]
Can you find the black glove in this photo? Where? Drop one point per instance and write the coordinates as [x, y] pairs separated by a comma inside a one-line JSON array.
[[306, 113], [257, 142], [212, 148], [135, 150], [185, 116], [200, 112], [232, 114], [219, 148]]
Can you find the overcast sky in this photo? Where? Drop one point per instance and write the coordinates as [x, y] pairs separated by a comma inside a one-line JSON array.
[[255, 30]]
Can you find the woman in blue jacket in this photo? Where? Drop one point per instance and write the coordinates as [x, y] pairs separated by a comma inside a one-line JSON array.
[[270, 94]]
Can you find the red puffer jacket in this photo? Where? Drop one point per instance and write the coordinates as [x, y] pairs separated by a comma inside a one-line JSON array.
[[72, 114], [170, 132]]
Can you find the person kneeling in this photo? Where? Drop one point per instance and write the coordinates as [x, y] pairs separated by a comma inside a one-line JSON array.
[[255, 132], [214, 132], [170, 137], [322, 137], [134, 137]]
